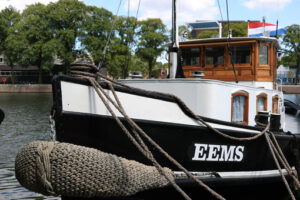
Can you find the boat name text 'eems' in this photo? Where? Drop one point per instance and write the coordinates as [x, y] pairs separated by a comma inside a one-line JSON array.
[[221, 153]]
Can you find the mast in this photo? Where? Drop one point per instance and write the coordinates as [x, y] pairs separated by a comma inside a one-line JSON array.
[[175, 44]]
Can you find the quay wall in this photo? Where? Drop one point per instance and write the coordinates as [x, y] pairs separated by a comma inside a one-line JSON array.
[[290, 89], [26, 88]]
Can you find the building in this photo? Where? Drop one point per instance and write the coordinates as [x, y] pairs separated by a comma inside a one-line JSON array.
[[209, 25], [21, 75]]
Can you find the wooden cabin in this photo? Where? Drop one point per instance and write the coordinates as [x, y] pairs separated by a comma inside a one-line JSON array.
[[255, 59]]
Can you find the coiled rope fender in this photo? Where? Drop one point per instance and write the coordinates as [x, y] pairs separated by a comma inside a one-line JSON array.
[[54, 168]]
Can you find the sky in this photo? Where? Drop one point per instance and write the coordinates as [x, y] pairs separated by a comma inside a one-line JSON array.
[[286, 11]]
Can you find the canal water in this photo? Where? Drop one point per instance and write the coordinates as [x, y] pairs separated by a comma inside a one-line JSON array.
[[27, 119]]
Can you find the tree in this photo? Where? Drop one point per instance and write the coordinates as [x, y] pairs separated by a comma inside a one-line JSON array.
[[124, 40], [238, 29], [41, 46], [65, 20], [208, 34], [8, 18], [291, 43], [14, 44], [152, 36], [138, 65], [95, 30], [11, 41], [184, 32]]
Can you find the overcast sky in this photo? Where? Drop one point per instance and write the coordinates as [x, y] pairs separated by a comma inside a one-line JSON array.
[[286, 11]]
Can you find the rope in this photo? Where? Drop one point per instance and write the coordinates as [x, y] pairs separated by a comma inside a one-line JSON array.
[[43, 166], [109, 36], [275, 149]]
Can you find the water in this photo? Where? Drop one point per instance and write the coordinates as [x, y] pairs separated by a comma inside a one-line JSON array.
[[26, 119]]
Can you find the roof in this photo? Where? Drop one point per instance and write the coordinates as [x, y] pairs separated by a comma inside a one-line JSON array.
[[204, 25], [225, 39]]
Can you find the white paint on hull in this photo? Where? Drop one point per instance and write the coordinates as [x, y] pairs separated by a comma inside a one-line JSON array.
[[84, 99]]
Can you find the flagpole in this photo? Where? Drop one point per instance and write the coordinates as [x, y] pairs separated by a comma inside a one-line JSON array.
[[264, 21], [276, 28]]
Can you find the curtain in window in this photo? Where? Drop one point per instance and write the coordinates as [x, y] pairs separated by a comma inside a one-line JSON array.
[[238, 108], [260, 104]]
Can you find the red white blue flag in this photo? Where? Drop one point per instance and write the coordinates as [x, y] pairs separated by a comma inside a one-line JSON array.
[[257, 29]]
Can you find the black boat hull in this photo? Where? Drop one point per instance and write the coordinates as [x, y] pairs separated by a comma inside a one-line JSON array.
[[234, 165]]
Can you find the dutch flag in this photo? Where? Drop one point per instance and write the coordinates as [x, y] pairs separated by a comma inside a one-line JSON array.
[[256, 29]]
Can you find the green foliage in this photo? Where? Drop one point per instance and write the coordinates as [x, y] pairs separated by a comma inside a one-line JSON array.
[[65, 21], [125, 33], [291, 42], [208, 34], [152, 37], [291, 74], [11, 41], [95, 30], [138, 65], [8, 18], [68, 29], [238, 29], [183, 29], [41, 45]]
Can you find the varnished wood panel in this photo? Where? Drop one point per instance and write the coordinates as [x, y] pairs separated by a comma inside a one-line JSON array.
[[245, 72]]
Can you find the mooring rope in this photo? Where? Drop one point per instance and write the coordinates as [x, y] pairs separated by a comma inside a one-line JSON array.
[[275, 149]]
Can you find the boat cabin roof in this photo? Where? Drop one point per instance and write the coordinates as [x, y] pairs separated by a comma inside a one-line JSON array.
[[272, 40]]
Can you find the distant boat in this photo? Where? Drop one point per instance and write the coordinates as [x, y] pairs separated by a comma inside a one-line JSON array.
[[2, 115], [291, 107]]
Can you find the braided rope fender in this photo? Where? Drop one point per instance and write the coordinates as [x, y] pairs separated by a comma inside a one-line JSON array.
[[54, 168]]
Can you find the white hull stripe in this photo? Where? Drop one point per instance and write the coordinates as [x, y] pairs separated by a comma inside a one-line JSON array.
[[83, 99], [240, 174]]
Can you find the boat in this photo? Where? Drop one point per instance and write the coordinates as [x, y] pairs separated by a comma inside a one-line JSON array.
[[2, 115], [217, 121], [291, 107]]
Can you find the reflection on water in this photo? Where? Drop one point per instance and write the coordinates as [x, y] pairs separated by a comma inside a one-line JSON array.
[[26, 119]]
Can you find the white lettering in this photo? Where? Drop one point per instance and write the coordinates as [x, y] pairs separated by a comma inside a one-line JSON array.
[[227, 154], [213, 152], [239, 153], [199, 152], [222, 153]]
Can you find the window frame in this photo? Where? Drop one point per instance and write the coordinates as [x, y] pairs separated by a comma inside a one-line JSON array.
[[275, 101], [246, 106], [268, 54], [199, 55], [241, 64], [212, 66], [264, 95]]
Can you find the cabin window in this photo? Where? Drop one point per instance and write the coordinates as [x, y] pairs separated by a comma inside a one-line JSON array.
[[191, 56], [241, 54], [261, 103], [1, 60], [263, 55], [275, 104], [240, 107], [214, 56]]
